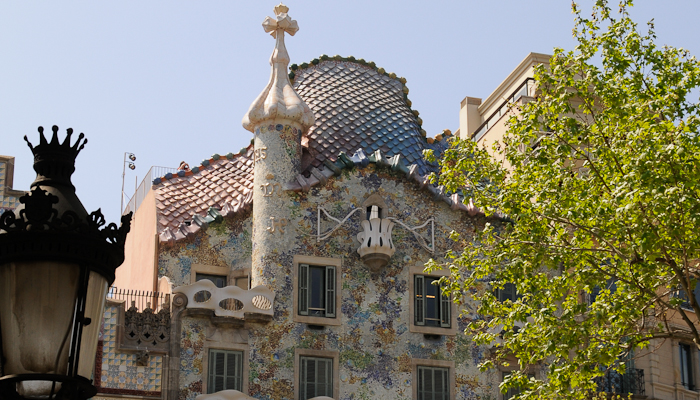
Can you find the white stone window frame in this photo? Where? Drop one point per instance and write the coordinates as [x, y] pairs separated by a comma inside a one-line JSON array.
[[225, 346], [330, 354], [420, 362], [317, 261], [431, 330]]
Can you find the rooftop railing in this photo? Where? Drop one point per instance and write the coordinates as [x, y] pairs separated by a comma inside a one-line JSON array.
[[145, 187]]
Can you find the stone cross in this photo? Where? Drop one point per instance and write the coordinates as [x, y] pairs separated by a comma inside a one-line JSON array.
[[283, 22]]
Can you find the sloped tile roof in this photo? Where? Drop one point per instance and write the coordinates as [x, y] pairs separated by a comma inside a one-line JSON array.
[[360, 107], [225, 184]]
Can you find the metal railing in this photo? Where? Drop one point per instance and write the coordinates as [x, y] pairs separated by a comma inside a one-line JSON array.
[[145, 187], [141, 299], [521, 91], [632, 381]]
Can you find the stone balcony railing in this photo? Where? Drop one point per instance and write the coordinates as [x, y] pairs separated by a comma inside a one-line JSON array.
[[229, 301], [376, 247]]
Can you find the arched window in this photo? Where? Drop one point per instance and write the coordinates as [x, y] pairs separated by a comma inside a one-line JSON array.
[[374, 207]]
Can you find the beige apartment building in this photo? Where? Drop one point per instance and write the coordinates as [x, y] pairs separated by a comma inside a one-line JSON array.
[[668, 369]]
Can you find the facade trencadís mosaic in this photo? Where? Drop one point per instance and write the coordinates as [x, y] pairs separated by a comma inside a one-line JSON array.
[[296, 264]]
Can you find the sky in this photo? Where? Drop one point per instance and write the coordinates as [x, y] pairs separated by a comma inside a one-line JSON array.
[[170, 81]]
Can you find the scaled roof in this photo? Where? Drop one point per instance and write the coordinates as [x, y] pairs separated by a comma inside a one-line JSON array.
[[362, 115]]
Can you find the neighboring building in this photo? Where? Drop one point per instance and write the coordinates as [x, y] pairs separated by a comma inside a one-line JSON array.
[[9, 198], [672, 369], [328, 217]]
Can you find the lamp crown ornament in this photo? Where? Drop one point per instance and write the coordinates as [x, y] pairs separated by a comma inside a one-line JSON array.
[[54, 162]]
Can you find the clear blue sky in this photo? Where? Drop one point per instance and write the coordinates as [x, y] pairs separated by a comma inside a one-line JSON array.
[[171, 80]]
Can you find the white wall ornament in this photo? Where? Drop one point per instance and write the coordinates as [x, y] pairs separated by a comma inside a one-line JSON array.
[[257, 300], [376, 247], [376, 240]]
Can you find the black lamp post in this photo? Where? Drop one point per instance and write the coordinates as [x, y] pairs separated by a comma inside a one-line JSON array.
[[56, 264]]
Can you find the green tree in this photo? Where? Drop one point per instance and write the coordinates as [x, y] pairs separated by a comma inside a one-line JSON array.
[[600, 187]]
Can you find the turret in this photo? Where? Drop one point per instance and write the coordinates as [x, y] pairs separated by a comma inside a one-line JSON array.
[[278, 118]]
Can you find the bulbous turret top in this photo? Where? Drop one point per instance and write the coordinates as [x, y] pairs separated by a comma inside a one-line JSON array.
[[278, 101]]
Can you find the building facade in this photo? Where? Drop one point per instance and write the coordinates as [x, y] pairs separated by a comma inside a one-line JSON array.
[[294, 268], [667, 369]]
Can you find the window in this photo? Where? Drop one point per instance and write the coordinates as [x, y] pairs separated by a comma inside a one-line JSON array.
[[686, 367], [513, 391], [432, 308], [374, 207], [219, 281], [317, 290], [225, 370], [433, 383], [433, 379], [430, 311], [373, 212], [316, 377], [507, 293], [681, 294], [316, 373], [609, 285], [316, 294]]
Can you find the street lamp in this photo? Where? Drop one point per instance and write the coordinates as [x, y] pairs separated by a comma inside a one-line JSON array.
[[56, 263], [129, 159]]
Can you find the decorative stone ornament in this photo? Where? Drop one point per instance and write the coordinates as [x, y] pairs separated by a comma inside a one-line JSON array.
[[279, 101], [56, 263], [376, 247]]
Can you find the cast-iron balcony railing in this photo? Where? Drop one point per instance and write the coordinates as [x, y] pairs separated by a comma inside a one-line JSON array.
[[632, 381]]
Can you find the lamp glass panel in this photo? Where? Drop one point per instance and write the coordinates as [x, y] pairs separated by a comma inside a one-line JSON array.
[[37, 300], [94, 309]]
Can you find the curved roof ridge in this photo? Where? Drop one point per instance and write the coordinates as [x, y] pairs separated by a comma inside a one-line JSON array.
[[205, 163]]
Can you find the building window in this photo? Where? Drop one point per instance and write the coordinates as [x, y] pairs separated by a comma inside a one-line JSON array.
[[432, 308], [433, 383], [219, 280], [373, 212], [433, 379], [507, 293], [225, 370], [513, 391], [686, 367], [430, 312], [317, 290], [317, 286], [316, 373], [316, 377]]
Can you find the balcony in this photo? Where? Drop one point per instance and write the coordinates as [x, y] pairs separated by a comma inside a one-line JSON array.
[[632, 381]]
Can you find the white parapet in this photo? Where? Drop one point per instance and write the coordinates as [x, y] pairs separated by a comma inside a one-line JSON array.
[[229, 301], [376, 247]]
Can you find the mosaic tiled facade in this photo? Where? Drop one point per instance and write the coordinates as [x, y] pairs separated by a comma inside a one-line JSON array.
[[117, 371], [374, 341]]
